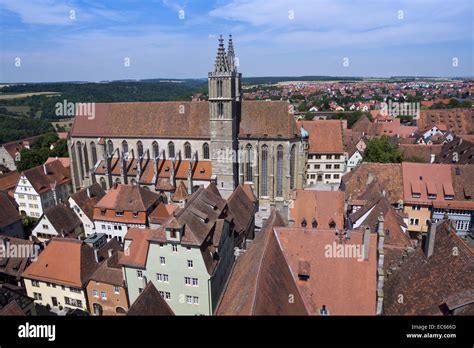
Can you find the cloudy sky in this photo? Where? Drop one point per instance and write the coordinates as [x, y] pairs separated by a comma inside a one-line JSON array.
[[55, 40]]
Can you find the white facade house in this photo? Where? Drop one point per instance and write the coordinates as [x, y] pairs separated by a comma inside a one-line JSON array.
[[42, 187], [354, 160], [82, 203]]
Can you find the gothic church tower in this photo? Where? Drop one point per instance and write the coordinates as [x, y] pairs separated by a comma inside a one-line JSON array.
[[224, 116]]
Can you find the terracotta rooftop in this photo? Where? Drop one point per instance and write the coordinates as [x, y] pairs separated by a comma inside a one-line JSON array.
[[345, 285], [242, 209], [64, 261], [420, 179], [16, 146], [110, 271], [463, 182], [128, 198], [438, 278], [325, 136], [389, 176], [42, 182], [458, 151], [65, 161], [261, 281], [8, 181], [319, 207], [419, 151], [88, 197], [460, 121], [162, 212], [182, 120], [136, 253]]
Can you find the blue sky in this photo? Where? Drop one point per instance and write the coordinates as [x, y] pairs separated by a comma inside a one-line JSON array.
[[90, 40]]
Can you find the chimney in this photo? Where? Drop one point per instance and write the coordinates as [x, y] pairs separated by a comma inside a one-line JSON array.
[[45, 170], [366, 243], [380, 220], [110, 252], [88, 192], [430, 239], [432, 158], [96, 255]]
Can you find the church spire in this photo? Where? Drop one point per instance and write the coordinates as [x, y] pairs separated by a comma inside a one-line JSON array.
[[231, 55], [221, 59]]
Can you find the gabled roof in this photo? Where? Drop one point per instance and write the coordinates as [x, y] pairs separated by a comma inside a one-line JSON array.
[[438, 277], [182, 119], [261, 281], [8, 181], [63, 219], [16, 146], [8, 210], [325, 136], [162, 212], [64, 261], [181, 192], [241, 208], [463, 182], [110, 271], [150, 302], [460, 121], [128, 198], [137, 252], [42, 182], [88, 197]]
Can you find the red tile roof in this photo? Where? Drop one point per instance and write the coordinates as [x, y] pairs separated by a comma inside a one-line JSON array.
[[325, 136], [136, 253], [8, 181], [57, 174], [8, 210]]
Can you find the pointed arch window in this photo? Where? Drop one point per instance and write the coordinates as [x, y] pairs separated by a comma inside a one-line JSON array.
[[171, 149], [220, 110], [292, 167], [140, 148], [248, 171], [156, 149], [103, 184], [279, 188], [314, 223], [94, 153], [205, 150], [187, 150], [219, 88], [81, 159], [303, 223], [264, 170], [110, 147], [125, 148]]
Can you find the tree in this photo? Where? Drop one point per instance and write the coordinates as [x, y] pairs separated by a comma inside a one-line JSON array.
[[41, 150], [382, 151]]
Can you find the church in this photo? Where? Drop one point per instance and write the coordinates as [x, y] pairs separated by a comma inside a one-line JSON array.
[[225, 140]]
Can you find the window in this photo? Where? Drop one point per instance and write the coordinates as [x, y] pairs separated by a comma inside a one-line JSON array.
[[162, 277], [116, 289], [171, 149], [166, 295], [248, 163], [156, 149], [337, 157], [337, 166], [187, 280], [94, 153], [195, 300], [264, 170], [327, 176], [279, 188], [162, 260], [103, 295], [37, 296], [317, 156], [431, 196], [414, 222], [292, 167], [119, 213], [416, 207], [139, 148], [328, 156], [317, 166], [125, 148], [102, 183], [195, 282], [35, 283], [220, 110], [139, 274], [141, 289], [95, 293], [190, 264], [110, 147], [336, 176], [174, 248], [219, 88], [189, 299], [75, 290], [187, 150], [328, 166], [205, 150]]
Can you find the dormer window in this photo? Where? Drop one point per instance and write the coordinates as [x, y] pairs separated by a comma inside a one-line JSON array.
[[432, 196], [303, 223], [102, 212], [119, 213], [135, 215]]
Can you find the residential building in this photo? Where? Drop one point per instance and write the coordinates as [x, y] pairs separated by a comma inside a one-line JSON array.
[[58, 221], [42, 187], [326, 161], [150, 303], [15, 255], [459, 151], [124, 207], [189, 257], [14, 303], [423, 185], [458, 121], [59, 276], [106, 290], [82, 203], [8, 181], [10, 152]]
